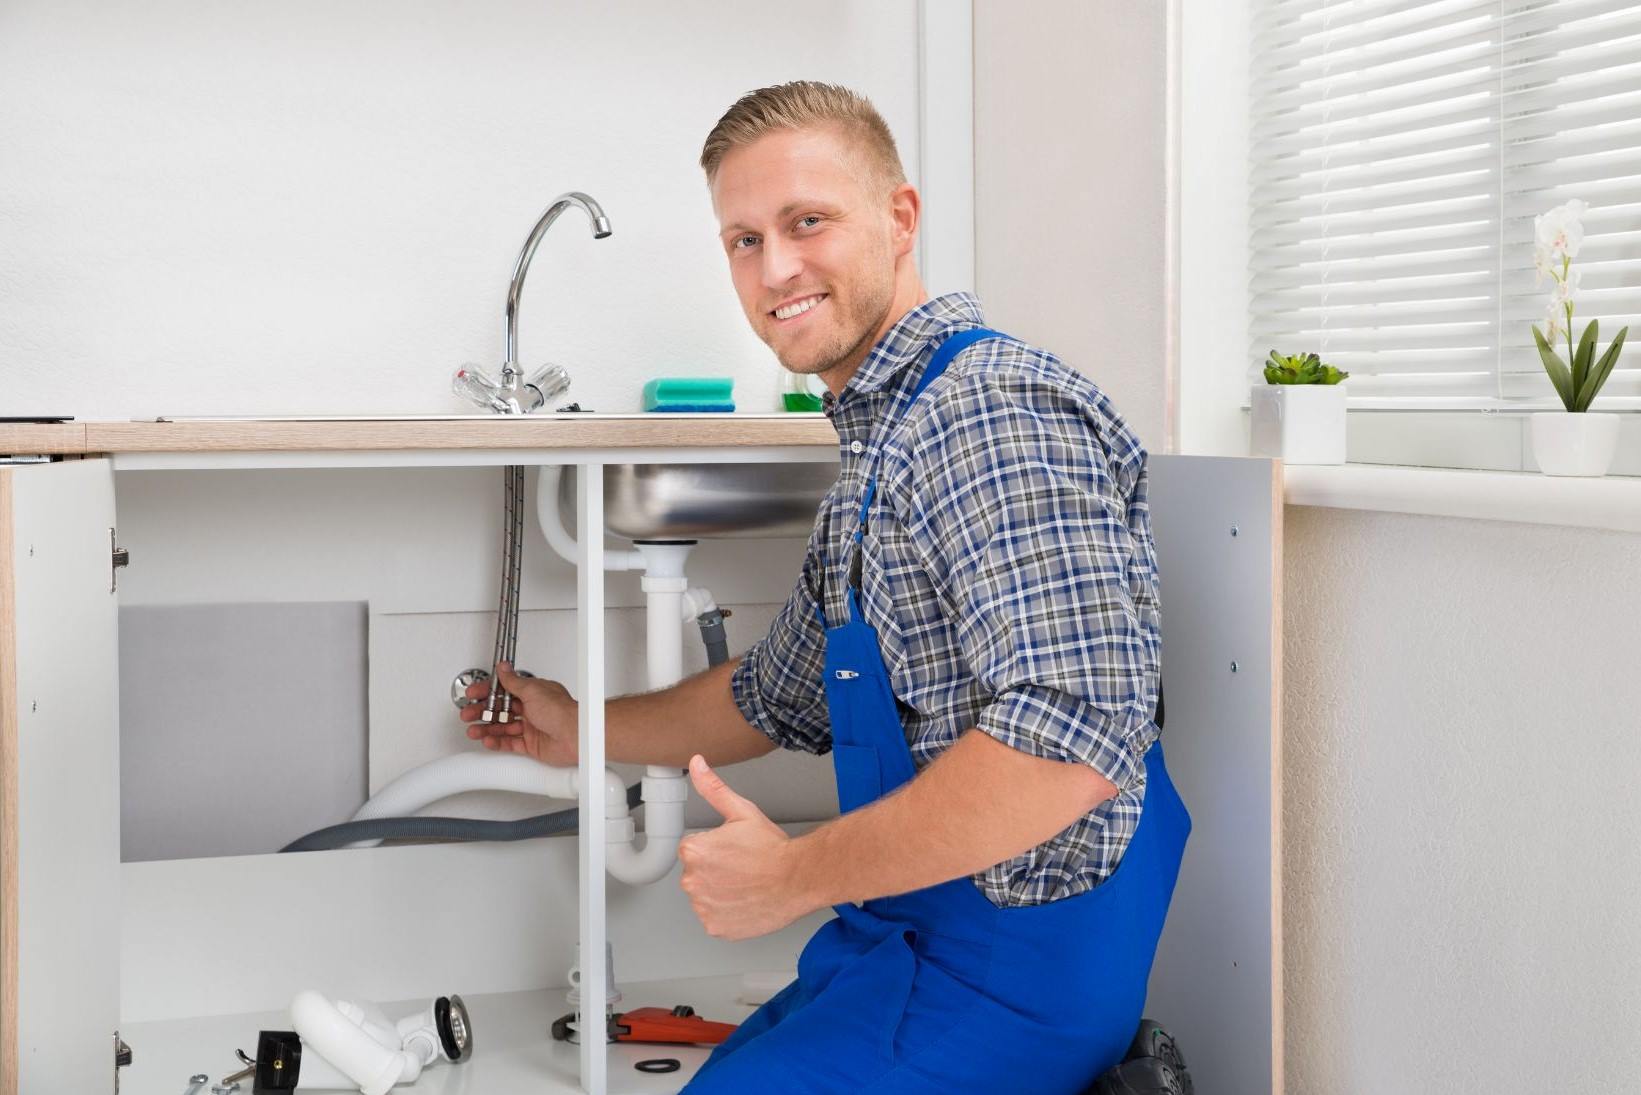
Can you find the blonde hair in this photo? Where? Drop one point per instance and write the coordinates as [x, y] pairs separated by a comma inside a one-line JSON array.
[[802, 104]]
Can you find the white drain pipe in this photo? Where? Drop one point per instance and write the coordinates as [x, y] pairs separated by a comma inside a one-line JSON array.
[[669, 601], [437, 780], [666, 790], [558, 537], [421, 787]]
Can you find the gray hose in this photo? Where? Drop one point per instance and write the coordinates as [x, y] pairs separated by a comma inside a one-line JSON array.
[[445, 828], [712, 634], [466, 828]]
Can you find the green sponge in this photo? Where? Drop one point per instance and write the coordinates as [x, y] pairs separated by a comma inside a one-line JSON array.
[[690, 393]]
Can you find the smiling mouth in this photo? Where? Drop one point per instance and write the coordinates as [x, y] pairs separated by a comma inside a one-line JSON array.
[[797, 307]]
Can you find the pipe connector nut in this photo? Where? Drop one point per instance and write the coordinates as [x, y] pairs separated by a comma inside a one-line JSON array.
[[666, 789]]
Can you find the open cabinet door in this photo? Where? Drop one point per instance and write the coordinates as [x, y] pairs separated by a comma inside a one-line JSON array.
[[1217, 984], [59, 780]]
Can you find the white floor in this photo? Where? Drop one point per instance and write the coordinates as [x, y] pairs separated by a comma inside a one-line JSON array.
[[513, 1053]]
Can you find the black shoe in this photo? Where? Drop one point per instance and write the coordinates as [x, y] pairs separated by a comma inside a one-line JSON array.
[[1144, 1076], [1153, 1065], [1152, 1041]]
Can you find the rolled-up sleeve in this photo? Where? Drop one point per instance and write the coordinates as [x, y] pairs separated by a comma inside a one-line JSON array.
[[1037, 537], [779, 684]]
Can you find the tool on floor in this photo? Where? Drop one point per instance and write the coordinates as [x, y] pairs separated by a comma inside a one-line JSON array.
[[678, 1025], [243, 1074]]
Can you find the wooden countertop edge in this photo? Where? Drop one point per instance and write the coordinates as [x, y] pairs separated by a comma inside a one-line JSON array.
[[54, 437], [567, 432]]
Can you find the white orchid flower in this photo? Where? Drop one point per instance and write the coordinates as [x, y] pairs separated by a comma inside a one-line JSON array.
[[1555, 321], [1542, 266], [1560, 232], [1566, 290]]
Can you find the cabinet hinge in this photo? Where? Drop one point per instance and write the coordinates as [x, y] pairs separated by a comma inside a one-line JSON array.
[[122, 1058], [121, 558]]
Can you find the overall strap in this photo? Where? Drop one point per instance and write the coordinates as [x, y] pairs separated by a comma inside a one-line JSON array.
[[953, 345], [948, 349]]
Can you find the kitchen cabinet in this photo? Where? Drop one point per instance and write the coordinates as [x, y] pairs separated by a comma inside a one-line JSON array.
[[190, 936], [61, 961]]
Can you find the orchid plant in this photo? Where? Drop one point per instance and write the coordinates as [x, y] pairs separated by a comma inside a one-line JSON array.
[[1557, 237]]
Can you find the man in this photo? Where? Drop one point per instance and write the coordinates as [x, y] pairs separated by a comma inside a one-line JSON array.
[[974, 637]]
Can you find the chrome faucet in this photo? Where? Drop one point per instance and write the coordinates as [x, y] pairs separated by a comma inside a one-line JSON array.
[[516, 393]]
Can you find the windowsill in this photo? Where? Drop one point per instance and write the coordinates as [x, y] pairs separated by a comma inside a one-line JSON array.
[[1466, 464], [1612, 502]]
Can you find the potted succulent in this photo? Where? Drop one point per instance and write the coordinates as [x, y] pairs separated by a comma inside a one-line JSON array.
[[1571, 441], [1298, 414]]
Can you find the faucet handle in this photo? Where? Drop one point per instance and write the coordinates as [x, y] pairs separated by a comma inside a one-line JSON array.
[[473, 385], [543, 386]]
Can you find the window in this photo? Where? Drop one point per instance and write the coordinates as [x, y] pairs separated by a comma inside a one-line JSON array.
[[1400, 151]]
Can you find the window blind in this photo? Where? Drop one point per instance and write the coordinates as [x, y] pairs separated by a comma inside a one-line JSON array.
[[1400, 151]]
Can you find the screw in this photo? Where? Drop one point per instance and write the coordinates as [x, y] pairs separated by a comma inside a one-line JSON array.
[[1233, 667], [34, 705], [1233, 530]]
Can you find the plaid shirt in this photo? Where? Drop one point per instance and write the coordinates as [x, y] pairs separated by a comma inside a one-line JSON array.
[[1008, 568]]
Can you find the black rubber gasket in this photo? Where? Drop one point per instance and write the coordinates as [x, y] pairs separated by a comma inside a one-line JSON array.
[[659, 1064], [447, 1036]]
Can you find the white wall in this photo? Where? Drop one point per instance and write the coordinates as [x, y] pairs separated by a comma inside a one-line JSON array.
[[1213, 226], [1462, 863], [314, 207], [1071, 190]]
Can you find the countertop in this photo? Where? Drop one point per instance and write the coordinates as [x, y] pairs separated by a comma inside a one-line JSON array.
[[411, 432]]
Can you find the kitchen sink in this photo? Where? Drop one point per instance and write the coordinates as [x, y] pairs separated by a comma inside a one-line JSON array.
[[709, 501]]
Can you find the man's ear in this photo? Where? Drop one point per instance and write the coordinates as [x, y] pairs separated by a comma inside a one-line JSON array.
[[905, 213]]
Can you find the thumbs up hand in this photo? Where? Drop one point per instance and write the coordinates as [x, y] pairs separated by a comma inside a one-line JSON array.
[[739, 877]]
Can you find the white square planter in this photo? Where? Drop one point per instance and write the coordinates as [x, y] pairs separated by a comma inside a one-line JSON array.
[[1298, 423], [1565, 443]]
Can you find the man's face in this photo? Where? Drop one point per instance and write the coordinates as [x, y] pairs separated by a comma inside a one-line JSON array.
[[810, 246]]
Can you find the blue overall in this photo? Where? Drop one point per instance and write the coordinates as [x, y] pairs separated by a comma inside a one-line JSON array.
[[939, 990]]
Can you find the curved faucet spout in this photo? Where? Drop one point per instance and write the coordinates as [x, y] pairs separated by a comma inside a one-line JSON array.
[[511, 374]]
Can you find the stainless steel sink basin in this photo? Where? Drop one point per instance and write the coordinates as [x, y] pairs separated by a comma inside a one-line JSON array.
[[709, 501]]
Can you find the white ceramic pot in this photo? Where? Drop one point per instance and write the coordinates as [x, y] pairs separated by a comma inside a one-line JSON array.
[[1298, 423], [1565, 443]]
